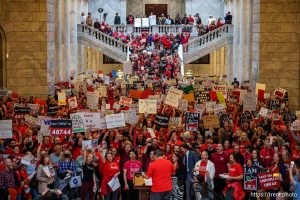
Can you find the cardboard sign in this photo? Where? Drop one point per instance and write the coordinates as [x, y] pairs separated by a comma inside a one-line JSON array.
[[31, 121], [130, 116], [175, 121], [249, 102], [295, 126], [274, 105], [269, 180], [125, 101], [148, 106], [73, 102], [250, 178], [211, 121], [173, 96], [183, 104], [246, 117], [115, 120], [5, 129], [202, 96], [61, 127], [92, 99], [162, 121], [61, 98], [222, 89], [192, 121]]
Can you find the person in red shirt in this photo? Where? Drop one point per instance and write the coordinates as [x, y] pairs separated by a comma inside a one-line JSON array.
[[220, 159], [130, 167], [234, 178], [267, 153], [161, 171]]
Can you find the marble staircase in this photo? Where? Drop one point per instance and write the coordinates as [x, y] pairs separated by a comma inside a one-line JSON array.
[[197, 47]]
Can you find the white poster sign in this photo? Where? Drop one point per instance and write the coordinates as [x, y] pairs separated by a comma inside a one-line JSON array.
[[92, 99], [115, 120], [148, 106], [173, 97]]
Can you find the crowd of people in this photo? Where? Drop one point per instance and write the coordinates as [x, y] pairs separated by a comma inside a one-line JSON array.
[[200, 139]]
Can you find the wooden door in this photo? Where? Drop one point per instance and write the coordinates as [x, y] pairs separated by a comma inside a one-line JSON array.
[[157, 9]]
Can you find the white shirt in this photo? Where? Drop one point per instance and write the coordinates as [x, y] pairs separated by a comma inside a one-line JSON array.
[[210, 167]]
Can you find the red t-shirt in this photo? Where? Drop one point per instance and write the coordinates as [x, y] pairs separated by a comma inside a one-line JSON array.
[[161, 172], [132, 167], [202, 167], [235, 170], [220, 161]]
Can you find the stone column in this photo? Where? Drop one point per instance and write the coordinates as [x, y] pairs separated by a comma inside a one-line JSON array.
[[123, 11], [58, 42], [236, 38], [249, 40], [242, 31], [74, 13], [230, 67]]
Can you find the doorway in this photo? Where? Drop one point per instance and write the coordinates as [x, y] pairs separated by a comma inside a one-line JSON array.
[[156, 9]]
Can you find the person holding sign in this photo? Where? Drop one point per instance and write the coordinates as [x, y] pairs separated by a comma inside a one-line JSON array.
[[45, 174], [89, 178], [234, 179], [110, 170]]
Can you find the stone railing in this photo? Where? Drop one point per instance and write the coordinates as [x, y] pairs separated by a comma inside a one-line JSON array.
[[98, 36], [210, 36], [158, 29]]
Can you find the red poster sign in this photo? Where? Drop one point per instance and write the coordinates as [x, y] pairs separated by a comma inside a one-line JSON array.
[[269, 180]]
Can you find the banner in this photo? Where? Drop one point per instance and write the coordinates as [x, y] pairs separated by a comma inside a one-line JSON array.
[[115, 120], [172, 97], [148, 106], [211, 121], [61, 96], [125, 101], [192, 121], [5, 129], [61, 127], [250, 178], [162, 121], [92, 99], [269, 180]]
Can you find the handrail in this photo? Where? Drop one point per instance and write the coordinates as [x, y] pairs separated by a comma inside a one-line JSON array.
[[210, 36], [102, 37]]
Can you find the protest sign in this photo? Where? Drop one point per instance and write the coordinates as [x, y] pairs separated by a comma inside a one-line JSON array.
[[21, 111], [295, 126], [211, 121], [31, 121], [27, 160], [250, 178], [130, 116], [92, 99], [162, 121], [274, 105], [263, 112], [125, 101], [189, 97], [183, 104], [221, 98], [61, 98], [152, 20], [61, 127], [249, 102], [209, 106], [77, 122], [137, 22], [202, 96], [173, 96], [115, 120], [127, 67], [280, 92], [151, 132], [102, 124], [199, 108], [259, 86], [72, 101], [86, 144], [34, 107], [246, 117], [269, 180], [102, 91], [5, 129], [222, 89], [192, 121], [175, 121], [91, 120], [80, 86], [148, 106], [145, 22]]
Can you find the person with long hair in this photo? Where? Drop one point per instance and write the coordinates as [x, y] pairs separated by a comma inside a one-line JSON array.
[[45, 174], [89, 178], [234, 179], [130, 168], [111, 170], [178, 178]]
